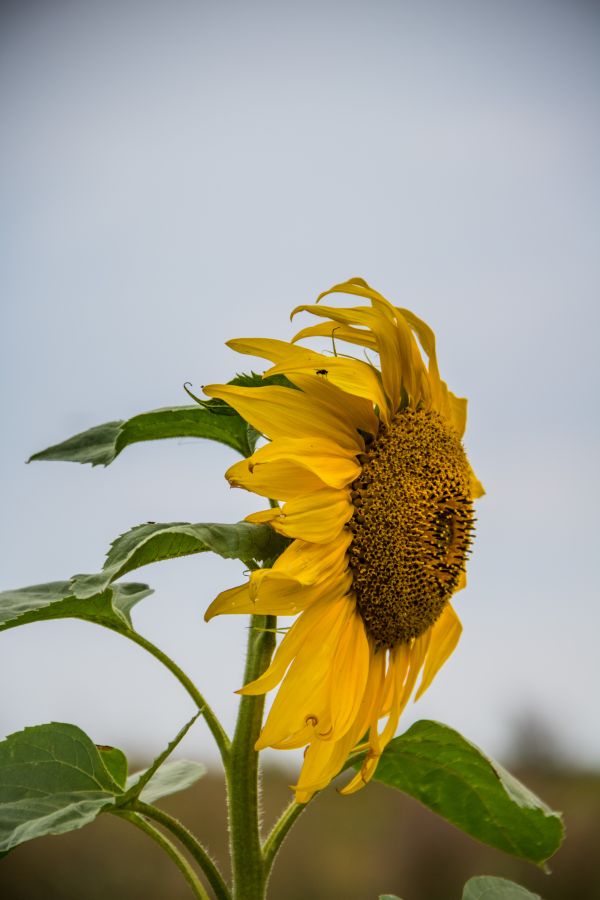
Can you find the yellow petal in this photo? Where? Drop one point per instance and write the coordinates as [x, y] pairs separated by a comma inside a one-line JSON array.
[[477, 489], [338, 332], [445, 635], [281, 479], [458, 412], [284, 412], [309, 563], [349, 674], [317, 517], [289, 467], [351, 375], [303, 696]]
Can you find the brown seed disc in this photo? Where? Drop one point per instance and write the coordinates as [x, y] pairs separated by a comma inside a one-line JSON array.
[[412, 526]]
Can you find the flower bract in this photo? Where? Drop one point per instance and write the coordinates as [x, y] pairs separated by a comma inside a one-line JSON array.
[[376, 492]]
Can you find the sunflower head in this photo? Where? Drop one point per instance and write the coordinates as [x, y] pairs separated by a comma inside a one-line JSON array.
[[377, 497]]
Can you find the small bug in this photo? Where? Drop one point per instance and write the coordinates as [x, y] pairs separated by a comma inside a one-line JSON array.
[[322, 372]]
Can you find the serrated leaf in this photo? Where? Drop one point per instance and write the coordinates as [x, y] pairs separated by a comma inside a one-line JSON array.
[[153, 542], [52, 780], [486, 887], [56, 600], [171, 777], [102, 444], [445, 772]]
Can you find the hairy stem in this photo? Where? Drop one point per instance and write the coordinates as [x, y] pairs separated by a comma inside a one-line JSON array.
[[249, 872], [169, 848], [191, 844], [280, 831]]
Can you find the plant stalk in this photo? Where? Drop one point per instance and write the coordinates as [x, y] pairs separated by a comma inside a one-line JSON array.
[[169, 848], [215, 727], [249, 870], [195, 848]]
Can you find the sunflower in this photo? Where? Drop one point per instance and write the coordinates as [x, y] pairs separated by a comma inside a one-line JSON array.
[[377, 497]]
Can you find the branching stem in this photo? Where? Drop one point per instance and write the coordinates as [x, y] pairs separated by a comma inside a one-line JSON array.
[[211, 719], [169, 848], [191, 844]]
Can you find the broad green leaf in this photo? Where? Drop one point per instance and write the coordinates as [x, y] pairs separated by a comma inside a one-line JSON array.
[[136, 785], [451, 776], [56, 600], [388, 897], [103, 443], [171, 777], [52, 780], [486, 887], [152, 542]]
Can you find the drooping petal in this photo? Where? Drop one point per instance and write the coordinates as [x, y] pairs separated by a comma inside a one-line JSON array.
[[283, 412], [445, 635]]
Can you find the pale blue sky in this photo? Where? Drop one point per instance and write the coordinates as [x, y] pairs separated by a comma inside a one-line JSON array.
[[176, 174]]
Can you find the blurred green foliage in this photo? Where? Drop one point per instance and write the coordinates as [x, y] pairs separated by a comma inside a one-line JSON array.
[[342, 848]]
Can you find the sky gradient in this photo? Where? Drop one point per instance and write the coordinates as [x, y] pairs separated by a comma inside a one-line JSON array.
[[175, 175]]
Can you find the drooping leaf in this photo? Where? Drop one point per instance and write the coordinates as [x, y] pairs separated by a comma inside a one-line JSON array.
[[139, 783], [52, 780], [103, 443], [172, 777], [56, 600], [455, 779], [486, 887], [152, 542]]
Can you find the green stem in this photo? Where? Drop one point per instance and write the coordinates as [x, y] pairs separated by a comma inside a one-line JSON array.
[[289, 816], [249, 873], [213, 723], [188, 840], [169, 848], [280, 831]]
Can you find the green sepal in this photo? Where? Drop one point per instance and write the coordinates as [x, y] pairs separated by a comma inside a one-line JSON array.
[[56, 600], [487, 887], [153, 542], [455, 779]]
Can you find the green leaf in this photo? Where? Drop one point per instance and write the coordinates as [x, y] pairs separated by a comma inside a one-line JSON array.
[[486, 887], [56, 600], [103, 443], [171, 777], [451, 776], [52, 779], [152, 542], [136, 785], [388, 897], [116, 763]]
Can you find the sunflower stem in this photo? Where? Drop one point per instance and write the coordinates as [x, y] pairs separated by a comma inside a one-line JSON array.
[[280, 831], [248, 866], [214, 725], [169, 848]]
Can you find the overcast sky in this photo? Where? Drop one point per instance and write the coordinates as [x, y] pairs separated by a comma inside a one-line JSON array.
[[177, 174]]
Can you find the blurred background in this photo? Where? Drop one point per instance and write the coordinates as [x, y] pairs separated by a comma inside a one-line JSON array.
[[174, 174]]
